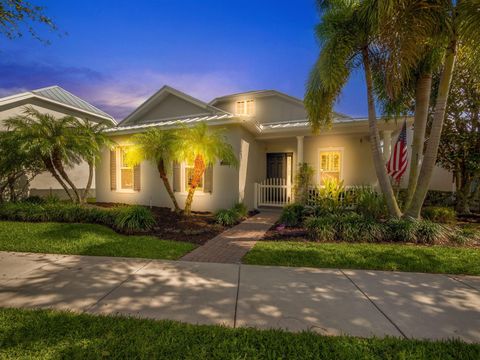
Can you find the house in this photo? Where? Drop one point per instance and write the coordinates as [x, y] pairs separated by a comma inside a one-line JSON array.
[[58, 102], [271, 136]]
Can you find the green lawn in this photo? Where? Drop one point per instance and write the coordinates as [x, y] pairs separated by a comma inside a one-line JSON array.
[[434, 259], [85, 239], [45, 334]]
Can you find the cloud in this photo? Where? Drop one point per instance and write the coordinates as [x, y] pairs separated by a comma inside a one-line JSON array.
[[117, 92]]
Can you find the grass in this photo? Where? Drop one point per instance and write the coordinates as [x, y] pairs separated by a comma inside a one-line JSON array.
[[46, 334], [399, 257], [85, 239]]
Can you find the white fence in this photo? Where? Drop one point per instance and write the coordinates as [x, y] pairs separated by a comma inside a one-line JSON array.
[[278, 193], [273, 192]]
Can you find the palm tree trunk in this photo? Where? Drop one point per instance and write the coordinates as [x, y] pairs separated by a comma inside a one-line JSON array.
[[430, 156], [378, 160], [198, 170], [422, 104], [166, 183], [47, 161], [89, 183], [57, 163]]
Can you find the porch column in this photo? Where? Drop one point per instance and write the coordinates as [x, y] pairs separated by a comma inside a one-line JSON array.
[[300, 149], [387, 144]]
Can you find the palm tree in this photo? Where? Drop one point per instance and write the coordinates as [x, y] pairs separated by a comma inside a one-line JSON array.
[[347, 34], [459, 21], [160, 147], [203, 146], [90, 139], [53, 140]]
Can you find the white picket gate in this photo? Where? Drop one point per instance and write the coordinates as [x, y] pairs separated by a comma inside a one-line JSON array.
[[273, 192]]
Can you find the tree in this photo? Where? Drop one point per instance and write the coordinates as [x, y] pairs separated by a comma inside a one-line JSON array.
[[160, 147], [17, 163], [346, 35], [53, 141], [459, 150], [15, 13], [90, 139], [202, 147]]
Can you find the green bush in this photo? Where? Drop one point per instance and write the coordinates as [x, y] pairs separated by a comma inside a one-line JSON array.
[[227, 217], [34, 200], [320, 228], [353, 227], [439, 214], [401, 230], [241, 210], [125, 218], [292, 215], [465, 236], [130, 219], [371, 204], [428, 232]]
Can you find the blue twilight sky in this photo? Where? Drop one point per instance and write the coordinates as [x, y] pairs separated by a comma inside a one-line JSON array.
[[117, 53]]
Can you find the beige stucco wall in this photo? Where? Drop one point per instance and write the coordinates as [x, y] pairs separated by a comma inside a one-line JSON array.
[[268, 108], [172, 106], [44, 181], [225, 182]]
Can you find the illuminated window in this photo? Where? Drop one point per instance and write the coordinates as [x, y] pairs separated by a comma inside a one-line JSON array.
[[188, 175], [126, 171], [330, 165], [245, 107]]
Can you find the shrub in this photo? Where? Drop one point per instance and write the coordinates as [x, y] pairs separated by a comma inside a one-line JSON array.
[[241, 210], [465, 236], [292, 215], [353, 227], [439, 214], [401, 230], [227, 217], [320, 228], [370, 203], [130, 219], [34, 200], [126, 218], [428, 232]]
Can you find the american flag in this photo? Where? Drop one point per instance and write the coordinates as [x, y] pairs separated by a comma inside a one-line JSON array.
[[397, 164]]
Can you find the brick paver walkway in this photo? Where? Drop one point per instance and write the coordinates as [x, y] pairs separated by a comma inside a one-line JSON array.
[[231, 245]]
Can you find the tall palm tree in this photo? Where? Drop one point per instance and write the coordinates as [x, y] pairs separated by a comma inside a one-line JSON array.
[[90, 138], [347, 35], [53, 140], [460, 21], [203, 146], [160, 147]]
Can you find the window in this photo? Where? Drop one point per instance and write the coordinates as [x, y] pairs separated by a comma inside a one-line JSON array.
[[330, 165], [245, 107], [126, 170], [188, 175]]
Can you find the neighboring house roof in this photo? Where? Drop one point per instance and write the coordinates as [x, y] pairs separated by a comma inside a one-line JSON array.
[[59, 96], [161, 94]]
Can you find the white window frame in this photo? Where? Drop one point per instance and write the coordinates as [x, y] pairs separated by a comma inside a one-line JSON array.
[[183, 179], [244, 103], [319, 161], [118, 164]]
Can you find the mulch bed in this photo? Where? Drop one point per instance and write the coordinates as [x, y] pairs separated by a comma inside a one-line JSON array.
[[196, 229]]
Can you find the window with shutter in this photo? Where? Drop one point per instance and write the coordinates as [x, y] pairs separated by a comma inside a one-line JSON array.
[[113, 169]]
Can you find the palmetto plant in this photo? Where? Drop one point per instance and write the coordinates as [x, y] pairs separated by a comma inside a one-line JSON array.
[[203, 146], [53, 139], [161, 148]]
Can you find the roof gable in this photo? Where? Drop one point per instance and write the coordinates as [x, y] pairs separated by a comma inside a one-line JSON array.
[[169, 103], [58, 96]]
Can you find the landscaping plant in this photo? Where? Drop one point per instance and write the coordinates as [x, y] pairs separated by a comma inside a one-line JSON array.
[[439, 214]]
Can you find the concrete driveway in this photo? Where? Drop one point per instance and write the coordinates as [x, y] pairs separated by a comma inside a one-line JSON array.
[[328, 301]]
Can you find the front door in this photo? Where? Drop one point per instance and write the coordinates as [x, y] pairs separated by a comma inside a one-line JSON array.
[[279, 177], [276, 166]]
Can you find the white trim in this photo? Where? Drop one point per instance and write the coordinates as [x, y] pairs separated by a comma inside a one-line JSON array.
[[340, 149], [118, 159]]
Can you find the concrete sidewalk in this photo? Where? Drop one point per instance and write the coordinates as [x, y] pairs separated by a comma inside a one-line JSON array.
[[329, 301]]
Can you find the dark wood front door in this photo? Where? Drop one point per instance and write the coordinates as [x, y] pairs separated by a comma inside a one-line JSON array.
[[276, 166]]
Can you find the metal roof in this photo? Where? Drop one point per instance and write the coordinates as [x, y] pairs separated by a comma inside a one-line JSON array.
[[56, 93], [191, 120]]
